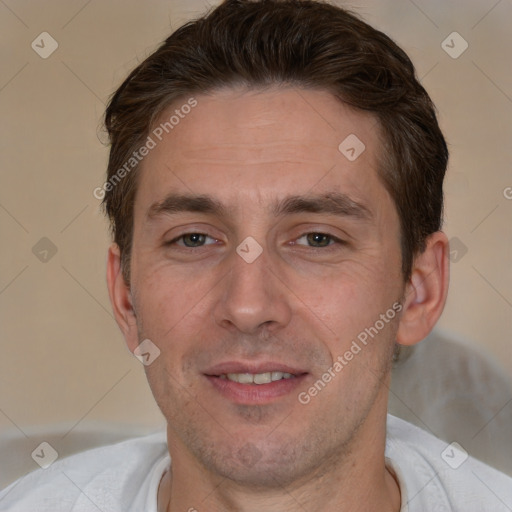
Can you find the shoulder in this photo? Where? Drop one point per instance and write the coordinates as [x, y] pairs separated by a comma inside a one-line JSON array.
[[439, 476], [105, 478]]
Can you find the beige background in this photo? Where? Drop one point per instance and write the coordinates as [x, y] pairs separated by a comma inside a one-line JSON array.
[[63, 363]]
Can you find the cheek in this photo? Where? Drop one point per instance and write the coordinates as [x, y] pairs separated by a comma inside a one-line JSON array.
[[351, 300], [170, 298]]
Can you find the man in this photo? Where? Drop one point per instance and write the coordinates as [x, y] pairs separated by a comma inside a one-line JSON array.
[[275, 194]]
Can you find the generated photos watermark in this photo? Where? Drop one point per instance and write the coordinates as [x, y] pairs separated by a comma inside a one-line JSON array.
[[152, 141], [363, 338]]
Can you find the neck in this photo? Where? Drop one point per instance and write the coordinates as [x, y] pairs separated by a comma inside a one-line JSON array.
[[354, 480]]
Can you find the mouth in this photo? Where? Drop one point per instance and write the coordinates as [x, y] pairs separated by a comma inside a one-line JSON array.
[[257, 378], [251, 384]]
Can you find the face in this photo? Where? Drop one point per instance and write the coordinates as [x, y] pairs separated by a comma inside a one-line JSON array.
[[260, 254]]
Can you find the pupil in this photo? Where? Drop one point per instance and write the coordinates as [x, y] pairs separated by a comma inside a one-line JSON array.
[[318, 239], [193, 239]]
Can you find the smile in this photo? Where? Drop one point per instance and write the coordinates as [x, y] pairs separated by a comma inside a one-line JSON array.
[[256, 378]]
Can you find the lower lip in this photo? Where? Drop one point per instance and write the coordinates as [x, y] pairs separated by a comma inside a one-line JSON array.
[[249, 394]]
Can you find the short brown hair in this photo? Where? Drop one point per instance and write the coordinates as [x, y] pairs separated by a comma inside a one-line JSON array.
[[304, 43]]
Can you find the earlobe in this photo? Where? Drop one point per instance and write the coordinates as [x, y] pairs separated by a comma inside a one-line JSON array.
[[426, 291], [121, 298]]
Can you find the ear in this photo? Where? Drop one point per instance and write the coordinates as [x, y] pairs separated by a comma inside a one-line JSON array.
[[121, 298], [426, 291]]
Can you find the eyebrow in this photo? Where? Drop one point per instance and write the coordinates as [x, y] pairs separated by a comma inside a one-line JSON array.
[[178, 203], [331, 203]]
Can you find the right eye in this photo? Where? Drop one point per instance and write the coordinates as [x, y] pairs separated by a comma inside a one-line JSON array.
[[191, 240]]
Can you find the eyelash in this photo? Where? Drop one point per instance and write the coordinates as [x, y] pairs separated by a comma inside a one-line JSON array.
[[333, 240], [175, 240]]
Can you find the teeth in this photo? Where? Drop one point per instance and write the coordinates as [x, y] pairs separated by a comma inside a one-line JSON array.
[[263, 378], [256, 378]]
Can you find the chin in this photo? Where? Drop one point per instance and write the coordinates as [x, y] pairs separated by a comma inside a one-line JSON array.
[[272, 462]]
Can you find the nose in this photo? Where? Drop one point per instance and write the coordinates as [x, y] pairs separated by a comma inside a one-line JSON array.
[[252, 297]]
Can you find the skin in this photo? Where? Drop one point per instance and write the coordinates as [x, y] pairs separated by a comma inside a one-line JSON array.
[[301, 302]]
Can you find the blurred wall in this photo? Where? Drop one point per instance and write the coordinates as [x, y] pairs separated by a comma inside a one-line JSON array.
[[63, 358]]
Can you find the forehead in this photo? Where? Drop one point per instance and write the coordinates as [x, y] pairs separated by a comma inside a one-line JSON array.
[[308, 119], [257, 143]]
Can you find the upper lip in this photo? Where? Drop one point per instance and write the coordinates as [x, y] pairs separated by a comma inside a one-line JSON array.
[[252, 367]]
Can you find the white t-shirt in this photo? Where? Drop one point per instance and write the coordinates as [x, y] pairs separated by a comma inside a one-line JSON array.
[[433, 477]]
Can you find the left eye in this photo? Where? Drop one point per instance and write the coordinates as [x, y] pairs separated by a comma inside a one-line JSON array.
[[193, 240], [316, 239]]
